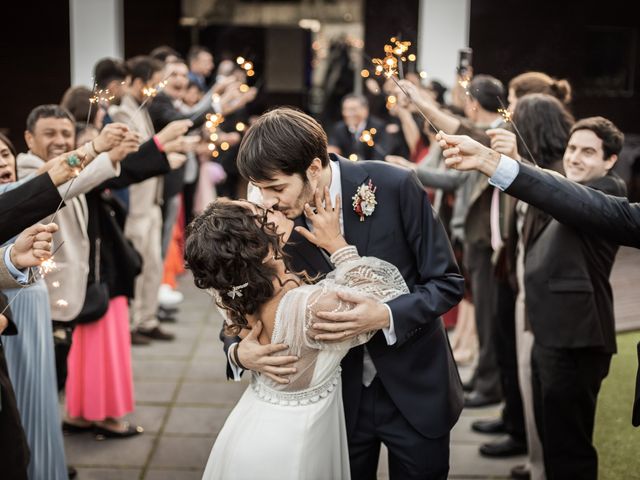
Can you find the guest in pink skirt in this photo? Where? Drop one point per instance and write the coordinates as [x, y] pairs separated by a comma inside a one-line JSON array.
[[100, 381]]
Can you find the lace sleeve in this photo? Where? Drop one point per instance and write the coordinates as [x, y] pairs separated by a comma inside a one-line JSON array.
[[363, 275]]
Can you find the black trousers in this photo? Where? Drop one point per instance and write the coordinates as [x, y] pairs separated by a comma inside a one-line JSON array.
[[507, 358], [477, 258], [411, 455], [566, 382]]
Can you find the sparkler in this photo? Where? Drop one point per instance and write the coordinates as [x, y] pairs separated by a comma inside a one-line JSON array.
[[367, 136], [246, 65], [45, 267], [389, 67], [101, 97], [149, 92], [507, 116], [213, 122]]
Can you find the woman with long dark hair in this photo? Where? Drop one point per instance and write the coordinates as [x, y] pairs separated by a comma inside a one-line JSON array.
[[544, 125]]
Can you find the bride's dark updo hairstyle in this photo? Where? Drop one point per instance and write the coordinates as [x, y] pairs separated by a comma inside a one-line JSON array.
[[229, 245]]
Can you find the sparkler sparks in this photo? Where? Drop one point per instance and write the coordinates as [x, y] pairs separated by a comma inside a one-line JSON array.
[[367, 137], [246, 65], [213, 122], [388, 67], [507, 116], [151, 91], [101, 97], [47, 266]]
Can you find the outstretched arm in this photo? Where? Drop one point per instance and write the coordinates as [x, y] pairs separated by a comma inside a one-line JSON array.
[[570, 203]]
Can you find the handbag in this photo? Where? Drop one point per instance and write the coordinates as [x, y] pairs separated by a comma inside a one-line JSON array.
[[96, 300], [120, 248]]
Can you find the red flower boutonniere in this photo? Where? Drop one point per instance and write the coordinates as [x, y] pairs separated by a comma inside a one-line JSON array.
[[364, 201]]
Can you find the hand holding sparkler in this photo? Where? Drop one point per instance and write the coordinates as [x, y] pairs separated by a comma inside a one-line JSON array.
[[220, 86], [33, 246], [504, 141], [463, 153], [61, 170], [129, 144], [173, 130], [176, 159], [110, 137], [233, 98], [183, 144]]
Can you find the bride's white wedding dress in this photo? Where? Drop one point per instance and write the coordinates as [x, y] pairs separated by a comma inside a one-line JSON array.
[[297, 431]]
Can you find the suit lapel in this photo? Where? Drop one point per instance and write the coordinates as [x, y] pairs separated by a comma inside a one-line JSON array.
[[356, 232]]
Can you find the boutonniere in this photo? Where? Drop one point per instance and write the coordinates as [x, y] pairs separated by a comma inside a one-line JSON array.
[[364, 201]]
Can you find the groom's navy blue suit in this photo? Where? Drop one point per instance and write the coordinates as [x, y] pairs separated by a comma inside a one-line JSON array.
[[417, 379]]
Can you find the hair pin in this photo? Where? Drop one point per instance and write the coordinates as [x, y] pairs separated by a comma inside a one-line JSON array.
[[236, 291]]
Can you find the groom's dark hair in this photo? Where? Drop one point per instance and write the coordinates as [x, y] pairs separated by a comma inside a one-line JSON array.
[[282, 140]]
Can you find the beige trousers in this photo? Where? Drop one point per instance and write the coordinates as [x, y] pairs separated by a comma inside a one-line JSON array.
[[145, 232]]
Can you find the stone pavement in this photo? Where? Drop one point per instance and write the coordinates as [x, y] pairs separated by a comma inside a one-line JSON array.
[[182, 400]]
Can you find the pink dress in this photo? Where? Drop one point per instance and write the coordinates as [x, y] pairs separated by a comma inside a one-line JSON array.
[[100, 380]]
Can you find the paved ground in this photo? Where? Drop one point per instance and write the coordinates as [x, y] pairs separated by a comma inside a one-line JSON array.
[[182, 400]]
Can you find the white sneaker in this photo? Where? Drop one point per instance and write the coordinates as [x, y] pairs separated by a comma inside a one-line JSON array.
[[168, 297]]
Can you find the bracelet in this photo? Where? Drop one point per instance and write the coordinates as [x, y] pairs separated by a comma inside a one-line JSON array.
[[89, 151], [236, 359], [93, 146], [159, 144]]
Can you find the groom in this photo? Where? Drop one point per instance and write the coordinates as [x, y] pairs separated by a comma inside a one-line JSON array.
[[402, 388]]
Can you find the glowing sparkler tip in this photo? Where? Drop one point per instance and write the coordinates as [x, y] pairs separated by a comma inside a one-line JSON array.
[[47, 266], [506, 114]]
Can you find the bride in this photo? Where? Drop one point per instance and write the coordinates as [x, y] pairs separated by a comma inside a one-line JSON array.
[[296, 430]]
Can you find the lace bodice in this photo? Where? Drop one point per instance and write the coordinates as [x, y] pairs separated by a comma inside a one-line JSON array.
[[318, 368]]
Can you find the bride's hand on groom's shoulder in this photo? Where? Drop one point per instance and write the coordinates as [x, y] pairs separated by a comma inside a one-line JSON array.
[[325, 221]]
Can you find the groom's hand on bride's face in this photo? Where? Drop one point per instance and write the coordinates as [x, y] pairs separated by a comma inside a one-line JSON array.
[[367, 315], [261, 358]]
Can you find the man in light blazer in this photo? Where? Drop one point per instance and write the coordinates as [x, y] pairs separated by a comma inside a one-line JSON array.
[[72, 255]]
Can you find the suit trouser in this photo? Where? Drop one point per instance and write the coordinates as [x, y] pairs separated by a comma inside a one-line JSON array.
[[486, 378], [566, 383], [145, 232], [524, 345], [507, 357], [411, 455]]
